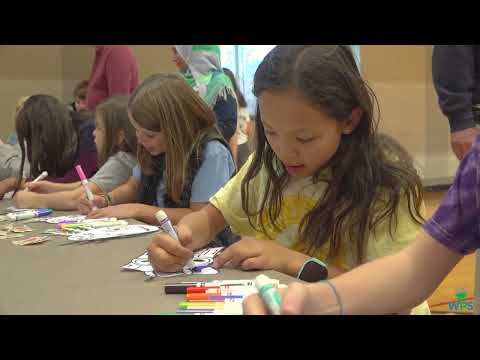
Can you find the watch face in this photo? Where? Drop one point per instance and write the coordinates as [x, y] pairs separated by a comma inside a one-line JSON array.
[[313, 272]]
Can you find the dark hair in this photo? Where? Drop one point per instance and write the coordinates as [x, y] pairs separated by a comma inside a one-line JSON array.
[[366, 186], [45, 125], [241, 99], [80, 90], [114, 119]]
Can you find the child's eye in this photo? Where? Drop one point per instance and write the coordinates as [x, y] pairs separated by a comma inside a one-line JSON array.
[[269, 133], [304, 141]]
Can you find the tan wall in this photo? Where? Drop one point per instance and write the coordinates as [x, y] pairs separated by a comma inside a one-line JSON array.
[[401, 78], [26, 70], [56, 69]]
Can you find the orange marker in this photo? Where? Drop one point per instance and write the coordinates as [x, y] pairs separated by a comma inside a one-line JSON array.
[[198, 296]]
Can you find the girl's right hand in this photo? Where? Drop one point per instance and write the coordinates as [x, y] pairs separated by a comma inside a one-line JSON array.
[[294, 301], [85, 206], [42, 187], [169, 255]]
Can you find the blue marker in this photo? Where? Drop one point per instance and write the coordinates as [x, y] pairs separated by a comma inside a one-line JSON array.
[[28, 214], [220, 297]]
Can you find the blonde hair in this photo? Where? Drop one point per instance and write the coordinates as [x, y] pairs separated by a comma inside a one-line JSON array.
[[166, 103]]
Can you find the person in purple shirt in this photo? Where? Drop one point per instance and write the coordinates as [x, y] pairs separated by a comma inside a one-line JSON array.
[[408, 277], [53, 139]]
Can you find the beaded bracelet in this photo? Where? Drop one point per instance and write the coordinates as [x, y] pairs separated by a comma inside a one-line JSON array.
[[339, 300], [107, 198]]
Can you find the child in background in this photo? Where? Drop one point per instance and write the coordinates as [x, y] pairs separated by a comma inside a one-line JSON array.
[[80, 96], [53, 139], [242, 136], [318, 185], [10, 156], [183, 159], [116, 144]]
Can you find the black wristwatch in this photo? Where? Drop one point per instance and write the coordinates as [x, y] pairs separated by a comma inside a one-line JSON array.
[[313, 270]]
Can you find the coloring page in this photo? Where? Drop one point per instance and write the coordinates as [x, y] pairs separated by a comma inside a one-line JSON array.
[[202, 259], [66, 219], [113, 232]]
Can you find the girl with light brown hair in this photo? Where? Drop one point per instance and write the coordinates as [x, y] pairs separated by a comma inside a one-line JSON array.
[[183, 159]]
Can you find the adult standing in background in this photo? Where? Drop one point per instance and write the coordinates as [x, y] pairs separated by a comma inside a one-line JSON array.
[[114, 72], [201, 67], [456, 76], [242, 136]]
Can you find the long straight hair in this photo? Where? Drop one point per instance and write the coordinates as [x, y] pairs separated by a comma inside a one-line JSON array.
[[166, 103], [114, 117], [366, 185], [47, 137]]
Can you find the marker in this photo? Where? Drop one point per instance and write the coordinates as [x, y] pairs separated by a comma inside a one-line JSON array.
[[269, 293], [200, 305], [167, 226], [207, 297], [181, 288], [84, 182], [203, 290], [42, 176], [201, 267], [196, 296], [193, 312], [28, 214]]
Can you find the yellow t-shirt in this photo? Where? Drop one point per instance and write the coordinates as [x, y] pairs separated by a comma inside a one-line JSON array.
[[299, 197]]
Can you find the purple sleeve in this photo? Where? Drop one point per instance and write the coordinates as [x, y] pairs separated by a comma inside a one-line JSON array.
[[88, 161], [455, 224]]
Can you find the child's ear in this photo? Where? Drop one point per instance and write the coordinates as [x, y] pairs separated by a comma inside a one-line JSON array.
[[352, 121]]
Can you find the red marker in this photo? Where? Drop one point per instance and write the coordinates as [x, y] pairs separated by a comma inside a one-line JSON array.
[[203, 290]]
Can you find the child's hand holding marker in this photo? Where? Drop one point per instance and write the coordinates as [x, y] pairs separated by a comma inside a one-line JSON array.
[[291, 301], [85, 206], [295, 299], [44, 186], [170, 254], [42, 176], [84, 182]]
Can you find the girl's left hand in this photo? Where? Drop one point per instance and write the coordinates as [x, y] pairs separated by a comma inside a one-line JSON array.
[[123, 211], [253, 254], [23, 199]]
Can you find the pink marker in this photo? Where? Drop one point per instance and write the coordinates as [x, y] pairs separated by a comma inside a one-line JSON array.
[[84, 182]]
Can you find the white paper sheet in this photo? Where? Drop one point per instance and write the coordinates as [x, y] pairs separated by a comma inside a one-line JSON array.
[[202, 257]]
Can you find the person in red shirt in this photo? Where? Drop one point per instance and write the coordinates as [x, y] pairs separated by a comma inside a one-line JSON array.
[[114, 72]]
